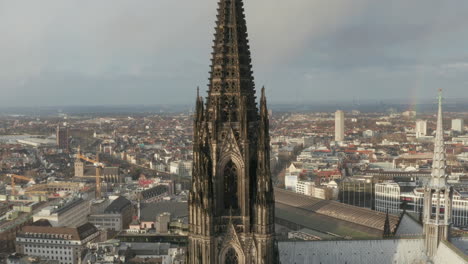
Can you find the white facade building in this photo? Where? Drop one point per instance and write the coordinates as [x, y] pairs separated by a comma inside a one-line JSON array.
[[305, 187], [390, 195], [368, 133], [181, 168], [458, 125], [387, 197], [339, 125], [174, 167], [290, 181], [65, 245], [421, 128]]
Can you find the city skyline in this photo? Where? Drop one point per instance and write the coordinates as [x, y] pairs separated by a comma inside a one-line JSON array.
[[99, 164], [127, 54]]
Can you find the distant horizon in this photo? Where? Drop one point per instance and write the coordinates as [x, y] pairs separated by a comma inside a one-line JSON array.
[[366, 106], [325, 101]]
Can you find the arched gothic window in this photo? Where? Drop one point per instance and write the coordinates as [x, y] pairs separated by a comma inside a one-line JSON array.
[[230, 186], [231, 257]]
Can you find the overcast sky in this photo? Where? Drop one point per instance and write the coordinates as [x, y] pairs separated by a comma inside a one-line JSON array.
[[90, 52]]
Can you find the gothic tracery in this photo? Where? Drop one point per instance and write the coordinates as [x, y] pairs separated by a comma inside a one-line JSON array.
[[231, 155]]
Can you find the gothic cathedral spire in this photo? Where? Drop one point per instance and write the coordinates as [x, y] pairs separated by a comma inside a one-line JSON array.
[[437, 219], [231, 202]]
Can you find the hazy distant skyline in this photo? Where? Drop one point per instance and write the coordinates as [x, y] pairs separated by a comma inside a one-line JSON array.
[[84, 52]]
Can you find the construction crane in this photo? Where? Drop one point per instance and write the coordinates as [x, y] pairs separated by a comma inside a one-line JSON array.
[[99, 166], [19, 177]]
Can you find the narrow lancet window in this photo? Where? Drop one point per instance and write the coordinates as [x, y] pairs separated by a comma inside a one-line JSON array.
[[230, 186], [231, 257]]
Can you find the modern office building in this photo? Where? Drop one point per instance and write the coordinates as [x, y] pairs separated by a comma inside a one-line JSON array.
[[62, 137], [182, 168], [387, 197], [305, 187], [458, 125], [357, 191], [421, 128], [397, 197], [162, 223], [321, 191], [339, 125], [290, 181]]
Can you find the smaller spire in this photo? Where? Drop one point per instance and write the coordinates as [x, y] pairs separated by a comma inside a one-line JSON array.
[[263, 92], [199, 106], [387, 232], [263, 103], [263, 119], [439, 175], [199, 98]]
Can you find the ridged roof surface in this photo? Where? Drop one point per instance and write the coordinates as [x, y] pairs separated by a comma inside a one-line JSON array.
[[344, 212], [66, 233]]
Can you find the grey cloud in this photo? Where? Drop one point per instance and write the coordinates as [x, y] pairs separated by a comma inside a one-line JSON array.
[[153, 51]]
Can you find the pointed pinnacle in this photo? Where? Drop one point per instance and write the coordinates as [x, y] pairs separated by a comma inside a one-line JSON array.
[[263, 102], [440, 96], [439, 161]]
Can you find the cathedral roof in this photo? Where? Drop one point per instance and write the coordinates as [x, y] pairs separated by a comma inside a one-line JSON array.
[[362, 220], [384, 251]]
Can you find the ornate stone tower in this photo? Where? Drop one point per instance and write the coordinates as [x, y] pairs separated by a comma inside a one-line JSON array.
[[231, 203], [437, 212]]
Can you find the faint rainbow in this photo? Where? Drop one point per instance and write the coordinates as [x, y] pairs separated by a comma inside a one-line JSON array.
[[417, 92]]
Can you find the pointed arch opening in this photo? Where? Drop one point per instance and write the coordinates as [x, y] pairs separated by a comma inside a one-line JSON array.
[[231, 198], [231, 257]]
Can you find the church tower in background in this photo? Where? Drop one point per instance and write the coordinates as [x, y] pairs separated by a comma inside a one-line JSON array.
[[231, 202]]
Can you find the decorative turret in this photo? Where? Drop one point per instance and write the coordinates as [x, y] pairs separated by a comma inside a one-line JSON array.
[[264, 223], [387, 231]]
